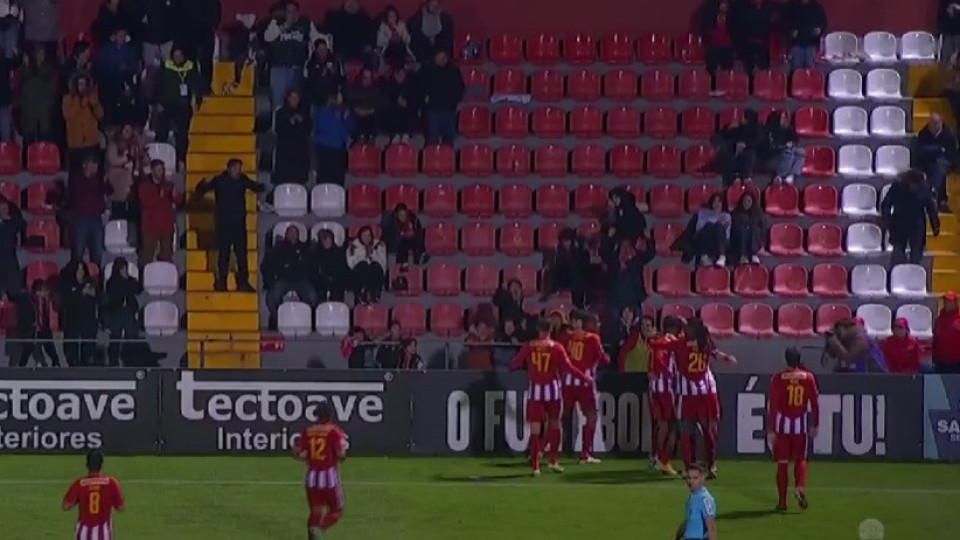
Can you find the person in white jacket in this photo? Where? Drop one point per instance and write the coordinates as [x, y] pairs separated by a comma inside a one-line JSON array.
[[393, 39], [367, 260], [11, 17]]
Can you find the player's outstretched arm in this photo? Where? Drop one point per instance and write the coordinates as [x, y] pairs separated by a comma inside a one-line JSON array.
[[725, 357], [520, 359]]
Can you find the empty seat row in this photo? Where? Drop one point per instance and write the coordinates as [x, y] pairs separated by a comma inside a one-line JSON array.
[[46, 237], [296, 319], [576, 48], [880, 47], [860, 160], [881, 83], [42, 158], [852, 121]]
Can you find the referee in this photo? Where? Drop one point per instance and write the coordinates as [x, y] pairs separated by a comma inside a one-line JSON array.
[[701, 510]]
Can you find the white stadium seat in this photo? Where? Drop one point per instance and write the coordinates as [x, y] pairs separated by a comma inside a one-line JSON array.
[[869, 281], [333, 319], [850, 121], [841, 47], [132, 270], [294, 319], [877, 319], [161, 278], [909, 281], [165, 153], [892, 160], [919, 318], [290, 200], [888, 121], [884, 84], [116, 237], [161, 318], [918, 47], [857, 200], [880, 47], [855, 160], [883, 193], [280, 229], [339, 234], [845, 84], [328, 201], [864, 239]]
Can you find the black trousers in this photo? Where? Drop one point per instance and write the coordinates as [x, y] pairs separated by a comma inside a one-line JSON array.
[[718, 59], [947, 369], [409, 251], [43, 344], [232, 239], [711, 241], [79, 353], [175, 118], [331, 165], [913, 240], [735, 164], [369, 277], [754, 56]]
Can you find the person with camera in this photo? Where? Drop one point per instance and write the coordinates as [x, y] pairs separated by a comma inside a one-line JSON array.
[[854, 350]]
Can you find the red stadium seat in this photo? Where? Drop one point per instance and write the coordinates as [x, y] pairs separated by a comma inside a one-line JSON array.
[[8, 318], [718, 318], [478, 201], [45, 271], [689, 49], [694, 85], [401, 161], [406, 194], [549, 122], [698, 161], [351, 70], [751, 280], [812, 122], [547, 85], [698, 123], [477, 82], [712, 281], [790, 280], [440, 200], [443, 279], [526, 274], [506, 49], [683, 311], [616, 49], [481, 280], [476, 47], [590, 230], [660, 123], [666, 201], [782, 200], [476, 160], [516, 201], [664, 162], [770, 85], [474, 122], [412, 317], [657, 85], [479, 239], [829, 314], [439, 160], [10, 159], [735, 192], [673, 280], [588, 161], [413, 275], [446, 319], [583, 85], [440, 238], [735, 85], [586, 122], [725, 116], [510, 81], [786, 239], [590, 200], [513, 161], [364, 160], [654, 49], [363, 200], [511, 122], [665, 233], [44, 197], [825, 240], [795, 320], [821, 200], [821, 162], [543, 49], [579, 49], [43, 158], [373, 318], [830, 280], [626, 161], [623, 122], [697, 196], [548, 235], [620, 85], [550, 161], [48, 231], [755, 320], [553, 200], [808, 85], [516, 239], [11, 192]]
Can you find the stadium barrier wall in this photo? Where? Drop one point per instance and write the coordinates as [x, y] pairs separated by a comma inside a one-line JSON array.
[[451, 412]]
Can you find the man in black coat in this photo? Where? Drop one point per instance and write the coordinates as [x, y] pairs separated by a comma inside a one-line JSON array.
[[905, 210], [287, 268], [935, 154], [442, 88], [229, 189]]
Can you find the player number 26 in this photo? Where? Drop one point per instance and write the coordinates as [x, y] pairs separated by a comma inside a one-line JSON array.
[[697, 363], [318, 448]]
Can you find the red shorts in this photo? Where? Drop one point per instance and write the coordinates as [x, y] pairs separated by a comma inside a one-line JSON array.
[[662, 407], [541, 411], [791, 447], [331, 498], [584, 396], [704, 408]]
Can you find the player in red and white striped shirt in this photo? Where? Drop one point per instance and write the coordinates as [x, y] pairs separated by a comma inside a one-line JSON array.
[[98, 496], [322, 447], [586, 353], [792, 394], [661, 376]]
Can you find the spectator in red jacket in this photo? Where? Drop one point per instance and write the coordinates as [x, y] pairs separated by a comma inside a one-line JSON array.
[[946, 336], [87, 205], [158, 206], [901, 350]]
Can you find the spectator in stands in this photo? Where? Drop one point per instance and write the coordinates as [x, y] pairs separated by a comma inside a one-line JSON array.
[[126, 157], [11, 18], [403, 235], [508, 344], [806, 22], [78, 293], [8, 63], [570, 270], [81, 60], [200, 22], [333, 125], [750, 30], [82, 113], [399, 111], [408, 359], [783, 148], [158, 213], [712, 234], [113, 15], [159, 18], [480, 347], [117, 63], [389, 348], [901, 351], [904, 212], [393, 40], [617, 329], [324, 74], [230, 218], [853, 349], [178, 95], [356, 348], [633, 354], [431, 29], [122, 308], [290, 38], [38, 96], [367, 260], [948, 22], [291, 162], [87, 193], [353, 31], [12, 230], [330, 276], [715, 33], [509, 301], [748, 229], [126, 108], [363, 97], [41, 24], [624, 260], [936, 154], [946, 337], [286, 269], [737, 146], [443, 87], [36, 312], [624, 214]]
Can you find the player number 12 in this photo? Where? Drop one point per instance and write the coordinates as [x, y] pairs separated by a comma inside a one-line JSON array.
[[318, 448]]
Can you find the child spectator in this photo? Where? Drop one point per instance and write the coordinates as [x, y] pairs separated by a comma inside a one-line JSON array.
[[479, 346], [36, 312], [126, 157], [901, 350], [748, 230]]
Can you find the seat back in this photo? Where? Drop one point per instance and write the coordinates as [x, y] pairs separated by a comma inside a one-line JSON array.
[[290, 200], [880, 46], [908, 280], [328, 200], [869, 280], [845, 84], [850, 121], [864, 239], [918, 47], [294, 319], [876, 319], [884, 84], [841, 46], [855, 160], [888, 121], [859, 200], [333, 319]]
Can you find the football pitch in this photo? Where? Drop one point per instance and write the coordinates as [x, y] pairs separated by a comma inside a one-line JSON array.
[[261, 498]]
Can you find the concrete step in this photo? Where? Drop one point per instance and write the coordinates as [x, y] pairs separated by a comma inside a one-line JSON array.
[[206, 261], [222, 301], [205, 240], [222, 125], [213, 321], [205, 221], [216, 163], [225, 75], [204, 281], [223, 144], [224, 360], [226, 106]]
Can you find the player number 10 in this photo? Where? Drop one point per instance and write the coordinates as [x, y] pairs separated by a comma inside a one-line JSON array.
[[697, 363], [795, 395], [541, 360], [94, 502], [576, 350], [318, 448]]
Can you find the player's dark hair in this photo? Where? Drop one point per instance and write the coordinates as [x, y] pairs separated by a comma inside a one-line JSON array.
[[544, 325], [671, 325], [579, 315], [698, 332], [324, 412], [793, 357], [94, 460]]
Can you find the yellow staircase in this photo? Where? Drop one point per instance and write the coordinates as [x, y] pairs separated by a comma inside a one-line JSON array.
[[223, 328]]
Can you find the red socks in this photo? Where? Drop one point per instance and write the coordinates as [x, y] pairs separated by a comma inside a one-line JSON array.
[[588, 431], [535, 451], [799, 474], [687, 449], [329, 520], [782, 481], [553, 443], [710, 444]]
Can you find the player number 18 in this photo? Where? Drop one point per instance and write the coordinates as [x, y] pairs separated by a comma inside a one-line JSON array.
[[318, 448], [93, 503], [795, 395], [541, 360]]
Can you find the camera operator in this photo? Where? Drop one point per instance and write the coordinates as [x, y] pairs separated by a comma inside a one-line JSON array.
[[853, 349]]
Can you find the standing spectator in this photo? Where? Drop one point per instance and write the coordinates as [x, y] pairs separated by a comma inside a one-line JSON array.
[[82, 113], [904, 212], [330, 276], [628, 338], [126, 157], [750, 29], [570, 269], [389, 349], [508, 344], [285, 270], [177, 97], [112, 16], [356, 348], [291, 162], [367, 259], [431, 29], [81, 60], [41, 24], [393, 40], [442, 85], [127, 107], [35, 313], [290, 39], [38, 96], [158, 206], [748, 230], [936, 154], [230, 219], [353, 31], [946, 337], [12, 230], [783, 148], [480, 347], [159, 18], [324, 74], [78, 292], [737, 146], [87, 194], [11, 18], [403, 235], [363, 98], [715, 32], [118, 62], [509, 301], [408, 359], [901, 351], [122, 309], [624, 260], [399, 112], [806, 22], [7, 65], [200, 22], [624, 214], [948, 22], [332, 127]]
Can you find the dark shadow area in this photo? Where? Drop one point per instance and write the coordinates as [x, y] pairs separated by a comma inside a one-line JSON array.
[[618, 476], [479, 479], [749, 514]]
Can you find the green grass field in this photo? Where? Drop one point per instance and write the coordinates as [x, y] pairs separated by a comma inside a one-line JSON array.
[[232, 498]]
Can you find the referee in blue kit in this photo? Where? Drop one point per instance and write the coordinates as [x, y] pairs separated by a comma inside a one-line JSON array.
[[701, 510]]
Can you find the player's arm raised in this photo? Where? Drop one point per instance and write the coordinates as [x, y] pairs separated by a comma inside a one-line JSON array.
[[520, 359], [72, 498], [725, 357], [814, 396]]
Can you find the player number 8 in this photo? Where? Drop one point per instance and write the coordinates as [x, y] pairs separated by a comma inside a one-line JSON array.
[[94, 502]]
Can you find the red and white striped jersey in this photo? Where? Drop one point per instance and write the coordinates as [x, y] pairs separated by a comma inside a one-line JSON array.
[[792, 393], [790, 425], [322, 479], [103, 531], [586, 353], [546, 362], [544, 391], [694, 377], [661, 371]]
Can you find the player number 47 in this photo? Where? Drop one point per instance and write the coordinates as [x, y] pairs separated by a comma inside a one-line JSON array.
[[541, 360]]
